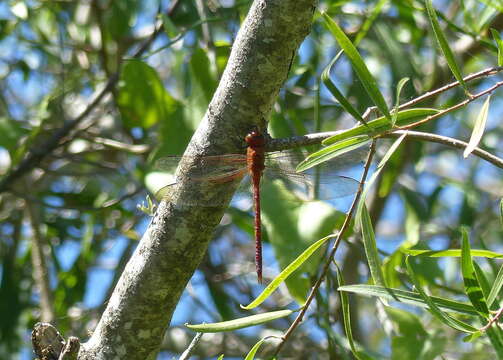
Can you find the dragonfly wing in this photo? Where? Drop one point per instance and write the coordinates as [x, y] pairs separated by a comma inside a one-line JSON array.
[[206, 168], [327, 180]]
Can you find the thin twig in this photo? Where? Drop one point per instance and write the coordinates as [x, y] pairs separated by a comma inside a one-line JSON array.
[[192, 346], [40, 271], [445, 140], [478, 75], [494, 319], [452, 108], [337, 241]]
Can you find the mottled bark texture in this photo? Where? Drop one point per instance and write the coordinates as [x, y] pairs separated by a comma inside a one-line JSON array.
[[149, 289]]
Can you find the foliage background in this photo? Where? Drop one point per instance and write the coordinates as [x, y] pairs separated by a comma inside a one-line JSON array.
[[79, 203]]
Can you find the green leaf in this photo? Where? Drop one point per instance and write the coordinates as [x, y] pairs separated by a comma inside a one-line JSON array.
[[373, 178], [478, 128], [472, 286], [254, 349], [496, 288], [169, 27], [291, 232], [370, 245], [499, 44], [240, 323], [346, 314], [286, 272], [399, 88], [410, 298], [433, 308], [142, 96], [331, 152], [368, 81], [325, 77], [381, 125], [221, 357], [452, 253], [444, 45]]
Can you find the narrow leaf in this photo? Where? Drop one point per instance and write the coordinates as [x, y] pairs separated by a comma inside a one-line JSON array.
[[451, 253], [368, 81], [346, 314], [331, 152], [240, 323], [472, 286], [376, 173], [478, 128], [285, 273], [370, 245], [433, 308], [399, 88], [254, 349], [381, 125], [499, 44], [325, 77], [410, 298], [496, 288], [444, 45]]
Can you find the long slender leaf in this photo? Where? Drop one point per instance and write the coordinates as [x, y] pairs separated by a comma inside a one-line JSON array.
[[410, 298], [325, 77], [496, 288], [472, 286], [399, 88], [332, 151], [241, 322], [346, 314], [285, 273], [376, 173], [434, 309], [444, 44], [254, 349], [499, 44], [370, 245], [368, 81], [381, 125], [452, 253], [478, 128]]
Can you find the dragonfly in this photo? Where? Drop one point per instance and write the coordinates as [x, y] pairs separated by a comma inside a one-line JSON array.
[[259, 164]]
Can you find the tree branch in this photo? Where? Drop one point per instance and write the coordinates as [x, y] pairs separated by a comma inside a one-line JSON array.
[[149, 289]]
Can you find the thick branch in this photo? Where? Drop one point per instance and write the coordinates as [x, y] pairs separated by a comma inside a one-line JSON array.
[[149, 289]]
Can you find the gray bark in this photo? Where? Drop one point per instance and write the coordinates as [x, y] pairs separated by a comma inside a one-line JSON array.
[[149, 289]]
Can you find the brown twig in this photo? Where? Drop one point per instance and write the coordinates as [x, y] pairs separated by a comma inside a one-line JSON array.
[[445, 140], [337, 241], [494, 319], [454, 107], [40, 272]]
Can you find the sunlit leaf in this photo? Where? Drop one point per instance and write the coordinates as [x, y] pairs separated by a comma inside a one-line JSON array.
[[452, 253], [444, 44], [472, 286], [433, 308], [331, 152], [286, 272], [410, 298], [399, 88], [241, 322], [368, 81], [478, 128], [499, 44], [369, 242], [381, 125]]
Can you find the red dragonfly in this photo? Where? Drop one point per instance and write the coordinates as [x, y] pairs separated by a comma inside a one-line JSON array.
[[257, 163]]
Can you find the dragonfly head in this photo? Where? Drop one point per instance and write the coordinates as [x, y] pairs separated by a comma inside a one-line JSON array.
[[255, 139]]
